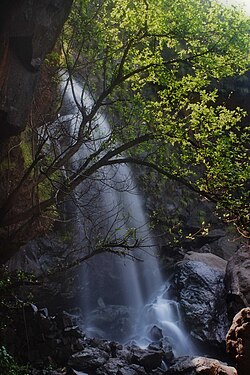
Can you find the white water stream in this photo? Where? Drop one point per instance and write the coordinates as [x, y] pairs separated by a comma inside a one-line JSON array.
[[122, 298]]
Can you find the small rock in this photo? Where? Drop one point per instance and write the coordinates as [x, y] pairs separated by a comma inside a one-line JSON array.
[[73, 332], [155, 333]]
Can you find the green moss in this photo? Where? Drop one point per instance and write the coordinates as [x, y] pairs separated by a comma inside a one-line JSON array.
[[44, 190], [25, 147], [7, 165]]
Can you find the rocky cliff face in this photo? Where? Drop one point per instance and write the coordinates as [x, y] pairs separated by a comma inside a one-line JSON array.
[[237, 281], [29, 30]]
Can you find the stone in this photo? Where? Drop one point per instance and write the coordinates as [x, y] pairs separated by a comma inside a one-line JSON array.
[[202, 297], [112, 366], [70, 320], [139, 369], [204, 249], [30, 310], [227, 246], [74, 372], [149, 359], [155, 333], [117, 317], [73, 332], [201, 366], [88, 359], [44, 312], [238, 341], [168, 351], [237, 281], [126, 371], [209, 259]]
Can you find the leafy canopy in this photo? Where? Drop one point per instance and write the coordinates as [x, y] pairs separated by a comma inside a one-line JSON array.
[[153, 66], [158, 63]]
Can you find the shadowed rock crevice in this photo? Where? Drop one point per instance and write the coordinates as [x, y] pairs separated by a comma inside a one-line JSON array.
[[29, 30]]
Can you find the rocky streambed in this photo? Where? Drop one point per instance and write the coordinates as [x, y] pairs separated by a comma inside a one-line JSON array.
[[56, 345], [209, 290]]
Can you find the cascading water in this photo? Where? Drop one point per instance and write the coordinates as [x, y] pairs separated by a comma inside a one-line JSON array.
[[122, 298]]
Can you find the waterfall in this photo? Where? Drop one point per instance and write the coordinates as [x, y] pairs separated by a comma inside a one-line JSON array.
[[123, 298]]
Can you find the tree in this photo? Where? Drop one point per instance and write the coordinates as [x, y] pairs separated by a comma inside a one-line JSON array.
[[151, 66]]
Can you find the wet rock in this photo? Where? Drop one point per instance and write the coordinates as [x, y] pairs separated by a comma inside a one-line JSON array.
[[51, 372], [127, 371], [238, 341], [168, 350], [74, 372], [88, 359], [155, 333], [202, 297], [139, 369], [201, 366], [112, 367], [30, 310], [149, 359], [73, 332], [155, 346], [208, 259], [237, 281], [227, 246], [117, 317], [124, 353], [66, 319], [44, 312], [101, 344]]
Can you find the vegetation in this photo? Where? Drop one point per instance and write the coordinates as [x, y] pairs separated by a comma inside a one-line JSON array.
[[153, 67], [8, 365], [10, 304], [10, 285]]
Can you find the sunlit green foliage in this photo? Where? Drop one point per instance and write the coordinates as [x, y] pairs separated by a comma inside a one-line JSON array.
[[157, 63]]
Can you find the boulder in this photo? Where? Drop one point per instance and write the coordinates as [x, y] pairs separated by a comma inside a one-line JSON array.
[[111, 367], [208, 259], [88, 359], [199, 288], [201, 366], [127, 371], [116, 366], [238, 341], [149, 359], [155, 333], [237, 281], [116, 318]]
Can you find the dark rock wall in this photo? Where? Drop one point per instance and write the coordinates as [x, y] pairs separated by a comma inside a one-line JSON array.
[[29, 30], [237, 281]]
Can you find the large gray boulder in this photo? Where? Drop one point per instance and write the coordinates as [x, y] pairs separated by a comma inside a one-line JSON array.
[[198, 283], [237, 281]]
